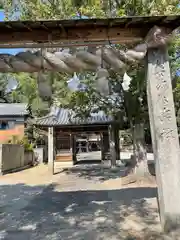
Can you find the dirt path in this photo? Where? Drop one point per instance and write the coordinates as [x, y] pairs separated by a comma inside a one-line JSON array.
[[77, 204]]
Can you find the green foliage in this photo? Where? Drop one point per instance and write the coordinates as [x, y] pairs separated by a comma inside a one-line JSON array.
[[89, 100], [4, 95], [127, 137], [174, 52], [28, 147], [27, 92], [176, 91], [61, 9], [135, 99], [61, 92]]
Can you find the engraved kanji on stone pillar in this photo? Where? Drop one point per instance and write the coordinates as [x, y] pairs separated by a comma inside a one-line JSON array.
[[164, 136]]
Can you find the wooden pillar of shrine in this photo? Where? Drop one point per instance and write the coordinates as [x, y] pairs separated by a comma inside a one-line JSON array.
[[164, 136], [73, 147], [51, 150], [104, 144], [117, 147], [102, 148], [112, 145]]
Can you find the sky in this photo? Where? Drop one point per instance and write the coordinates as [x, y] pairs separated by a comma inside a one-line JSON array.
[[11, 50]]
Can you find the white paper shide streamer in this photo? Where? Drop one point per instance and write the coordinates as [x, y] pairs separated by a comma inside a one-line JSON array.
[[126, 82]]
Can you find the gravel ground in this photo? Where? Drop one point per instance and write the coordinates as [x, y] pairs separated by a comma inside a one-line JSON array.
[[77, 204]]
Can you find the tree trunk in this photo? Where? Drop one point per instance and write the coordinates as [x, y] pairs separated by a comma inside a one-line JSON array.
[[140, 154]]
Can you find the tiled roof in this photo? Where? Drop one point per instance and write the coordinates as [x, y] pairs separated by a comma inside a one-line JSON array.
[[61, 116], [13, 109]]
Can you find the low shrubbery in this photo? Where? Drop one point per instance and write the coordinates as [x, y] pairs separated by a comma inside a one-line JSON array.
[[127, 137]]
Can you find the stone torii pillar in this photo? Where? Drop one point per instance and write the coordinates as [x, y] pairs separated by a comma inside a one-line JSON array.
[[164, 136]]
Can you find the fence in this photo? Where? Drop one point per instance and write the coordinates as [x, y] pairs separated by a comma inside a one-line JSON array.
[[12, 157]]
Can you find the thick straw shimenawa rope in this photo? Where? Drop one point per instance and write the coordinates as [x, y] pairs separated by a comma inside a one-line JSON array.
[[65, 62], [82, 60]]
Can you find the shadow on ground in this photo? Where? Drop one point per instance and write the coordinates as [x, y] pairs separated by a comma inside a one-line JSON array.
[[40, 212], [95, 172], [100, 172]]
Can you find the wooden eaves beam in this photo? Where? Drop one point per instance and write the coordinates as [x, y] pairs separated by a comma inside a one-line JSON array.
[[73, 36], [80, 32]]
